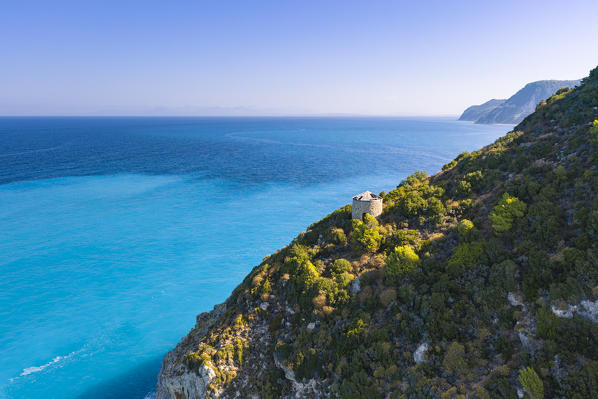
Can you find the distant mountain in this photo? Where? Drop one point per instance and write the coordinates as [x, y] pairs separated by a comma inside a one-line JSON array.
[[517, 107], [475, 112]]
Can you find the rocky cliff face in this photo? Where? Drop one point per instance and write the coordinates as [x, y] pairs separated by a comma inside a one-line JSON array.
[[480, 281], [176, 379], [518, 106]]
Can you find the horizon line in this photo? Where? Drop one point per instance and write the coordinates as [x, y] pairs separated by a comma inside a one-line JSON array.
[[234, 116]]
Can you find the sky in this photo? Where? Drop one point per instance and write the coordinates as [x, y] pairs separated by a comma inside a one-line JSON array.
[[245, 57]]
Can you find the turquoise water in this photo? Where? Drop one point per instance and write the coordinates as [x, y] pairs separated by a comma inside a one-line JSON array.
[[116, 232]]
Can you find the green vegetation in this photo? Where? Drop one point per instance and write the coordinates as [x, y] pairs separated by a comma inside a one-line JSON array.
[[400, 262], [507, 210], [466, 255], [473, 261], [366, 235], [532, 383], [453, 358]]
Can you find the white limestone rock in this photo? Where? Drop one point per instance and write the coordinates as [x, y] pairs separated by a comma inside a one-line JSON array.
[[564, 313], [355, 285], [514, 299], [176, 380], [590, 310], [586, 309], [188, 385], [419, 356]]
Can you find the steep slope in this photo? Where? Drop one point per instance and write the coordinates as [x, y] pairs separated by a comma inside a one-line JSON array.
[[475, 112], [478, 282], [521, 104]]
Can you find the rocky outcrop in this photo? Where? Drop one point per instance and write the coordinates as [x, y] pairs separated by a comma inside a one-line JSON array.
[[586, 309], [176, 379], [223, 348], [188, 384]]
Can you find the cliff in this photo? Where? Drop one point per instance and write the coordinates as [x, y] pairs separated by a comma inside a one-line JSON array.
[[518, 106], [480, 281]]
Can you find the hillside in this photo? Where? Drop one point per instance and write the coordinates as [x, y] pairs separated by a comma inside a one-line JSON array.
[[518, 106], [480, 282], [475, 112]]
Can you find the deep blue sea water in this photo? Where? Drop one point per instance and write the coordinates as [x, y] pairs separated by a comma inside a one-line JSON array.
[[116, 232]]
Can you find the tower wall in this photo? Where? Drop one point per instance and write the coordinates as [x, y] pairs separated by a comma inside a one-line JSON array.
[[373, 207]]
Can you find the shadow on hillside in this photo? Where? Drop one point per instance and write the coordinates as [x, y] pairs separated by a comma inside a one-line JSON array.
[[135, 383]]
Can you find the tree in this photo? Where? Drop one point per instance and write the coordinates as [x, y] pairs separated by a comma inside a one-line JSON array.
[[505, 212], [531, 383]]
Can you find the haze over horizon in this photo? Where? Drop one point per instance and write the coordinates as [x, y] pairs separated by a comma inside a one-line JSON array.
[[263, 58]]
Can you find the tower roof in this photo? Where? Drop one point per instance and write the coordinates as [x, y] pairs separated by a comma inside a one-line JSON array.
[[367, 196]]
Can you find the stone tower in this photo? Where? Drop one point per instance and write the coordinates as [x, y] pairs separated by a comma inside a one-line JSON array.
[[366, 202]]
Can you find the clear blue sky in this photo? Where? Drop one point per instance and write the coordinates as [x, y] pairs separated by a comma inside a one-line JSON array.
[[284, 57]]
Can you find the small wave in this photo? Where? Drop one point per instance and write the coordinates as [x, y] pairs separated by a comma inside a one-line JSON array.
[[36, 369], [149, 395]]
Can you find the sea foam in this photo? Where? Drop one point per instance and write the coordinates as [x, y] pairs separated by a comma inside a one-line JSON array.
[[37, 369]]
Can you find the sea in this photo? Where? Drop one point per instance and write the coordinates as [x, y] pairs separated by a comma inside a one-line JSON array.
[[116, 232]]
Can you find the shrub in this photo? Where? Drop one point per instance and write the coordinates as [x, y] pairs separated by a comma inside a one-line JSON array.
[[465, 229], [546, 223], [411, 204], [532, 383], [463, 188], [306, 276], [582, 383], [387, 296], [436, 210], [366, 234], [319, 301], [449, 165], [340, 266], [338, 237], [465, 256], [502, 275], [400, 262], [343, 279], [195, 360], [546, 324], [355, 334], [453, 358], [505, 212], [402, 237]]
